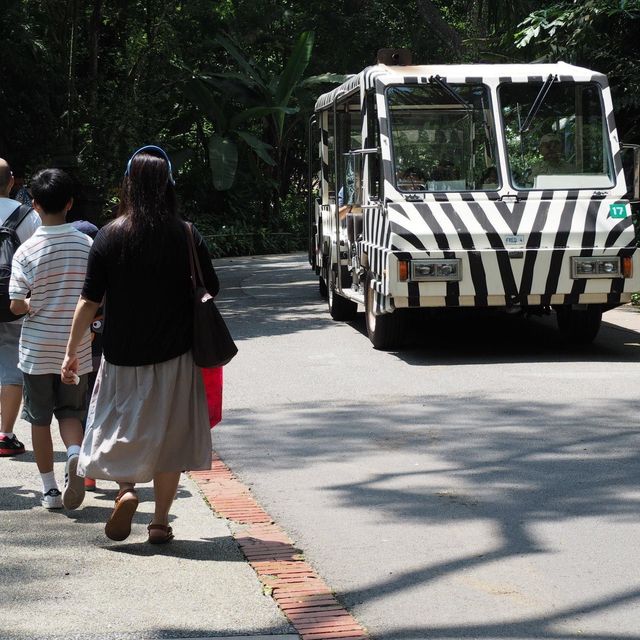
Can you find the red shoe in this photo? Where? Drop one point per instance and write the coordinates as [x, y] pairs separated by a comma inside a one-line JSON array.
[[10, 446], [89, 484]]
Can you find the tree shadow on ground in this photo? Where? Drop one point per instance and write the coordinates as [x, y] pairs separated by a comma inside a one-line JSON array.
[[497, 461], [278, 295], [221, 549]]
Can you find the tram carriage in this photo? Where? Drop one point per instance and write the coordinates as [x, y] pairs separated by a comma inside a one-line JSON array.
[[476, 186]]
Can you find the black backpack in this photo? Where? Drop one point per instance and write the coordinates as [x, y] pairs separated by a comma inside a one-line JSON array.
[[9, 242]]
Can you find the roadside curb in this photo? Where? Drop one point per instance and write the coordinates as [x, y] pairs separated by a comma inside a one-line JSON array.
[[623, 318], [299, 592]]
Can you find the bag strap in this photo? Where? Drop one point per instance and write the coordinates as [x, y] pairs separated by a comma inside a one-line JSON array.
[[17, 216], [194, 261]]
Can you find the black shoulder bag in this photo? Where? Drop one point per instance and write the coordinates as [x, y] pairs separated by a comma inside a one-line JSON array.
[[212, 345]]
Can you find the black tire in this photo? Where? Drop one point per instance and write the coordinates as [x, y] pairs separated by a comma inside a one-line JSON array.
[[319, 267], [385, 331], [322, 286], [339, 307], [323, 279], [312, 249], [579, 326]]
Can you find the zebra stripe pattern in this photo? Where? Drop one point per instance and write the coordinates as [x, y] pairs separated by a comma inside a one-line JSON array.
[[472, 226]]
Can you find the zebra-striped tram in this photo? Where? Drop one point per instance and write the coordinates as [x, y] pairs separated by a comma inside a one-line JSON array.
[[471, 186]]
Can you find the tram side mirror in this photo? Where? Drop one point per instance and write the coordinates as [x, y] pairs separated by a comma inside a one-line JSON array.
[[631, 167], [352, 172]]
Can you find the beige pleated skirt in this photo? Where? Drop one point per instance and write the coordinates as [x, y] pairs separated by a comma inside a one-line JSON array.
[[146, 420]]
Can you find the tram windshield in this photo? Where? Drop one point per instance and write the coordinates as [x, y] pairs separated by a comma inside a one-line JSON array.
[[556, 135], [443, 137]]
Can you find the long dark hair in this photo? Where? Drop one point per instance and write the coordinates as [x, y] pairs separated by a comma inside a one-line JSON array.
[[148, 209]]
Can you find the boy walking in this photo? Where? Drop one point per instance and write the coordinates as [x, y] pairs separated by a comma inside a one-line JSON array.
[[47, 276]]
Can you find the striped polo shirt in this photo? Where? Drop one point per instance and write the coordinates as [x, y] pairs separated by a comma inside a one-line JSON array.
[[51, 265]]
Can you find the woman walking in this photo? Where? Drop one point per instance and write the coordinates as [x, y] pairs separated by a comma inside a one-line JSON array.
[[148, 415]]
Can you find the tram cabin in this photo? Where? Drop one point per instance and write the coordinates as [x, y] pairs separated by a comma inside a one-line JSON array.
[[472, 186]]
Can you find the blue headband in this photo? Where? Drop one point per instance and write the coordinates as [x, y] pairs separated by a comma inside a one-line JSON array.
[[152, 147]]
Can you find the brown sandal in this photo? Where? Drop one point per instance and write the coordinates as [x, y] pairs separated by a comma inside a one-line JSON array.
[[118, 526], [164, 534]]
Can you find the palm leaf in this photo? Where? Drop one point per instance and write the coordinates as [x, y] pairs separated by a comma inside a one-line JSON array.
[[324, 78], [223, 157], [244, 64], [258, 112], [225, 84], [197, 92], [261, 148], [290, 77]]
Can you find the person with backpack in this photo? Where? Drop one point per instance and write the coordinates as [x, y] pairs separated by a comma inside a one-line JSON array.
[[20, 191], [18, 222], [47, 275]]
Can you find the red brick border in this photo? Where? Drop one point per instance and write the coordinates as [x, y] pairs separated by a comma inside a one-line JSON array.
[[300, 593]]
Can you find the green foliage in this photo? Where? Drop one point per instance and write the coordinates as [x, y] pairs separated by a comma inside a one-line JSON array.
[[566, 26], [85, 83], [240, 239], [223, 156], [600, 34], [232, 101]]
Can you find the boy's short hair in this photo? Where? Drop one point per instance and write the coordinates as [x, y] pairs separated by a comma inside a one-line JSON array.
[[52, 189]]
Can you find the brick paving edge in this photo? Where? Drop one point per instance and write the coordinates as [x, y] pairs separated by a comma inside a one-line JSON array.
[[302, 596]]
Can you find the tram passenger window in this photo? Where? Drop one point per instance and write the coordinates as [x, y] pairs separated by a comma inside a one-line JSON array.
[[349, 136], [330, 165], [372, 141]]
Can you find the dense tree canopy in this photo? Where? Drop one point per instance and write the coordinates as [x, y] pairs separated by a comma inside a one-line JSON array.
[[228, 85]]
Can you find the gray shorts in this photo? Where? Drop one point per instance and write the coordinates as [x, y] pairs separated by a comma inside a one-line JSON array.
[[9, 342], [46, 395]]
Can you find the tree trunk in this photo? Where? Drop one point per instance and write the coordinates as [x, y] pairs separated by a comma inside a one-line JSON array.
[[95, 23], [71, 76], [446, 34]]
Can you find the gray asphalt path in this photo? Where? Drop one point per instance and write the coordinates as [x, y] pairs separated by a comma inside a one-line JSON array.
[[480, 484], [60, 577]]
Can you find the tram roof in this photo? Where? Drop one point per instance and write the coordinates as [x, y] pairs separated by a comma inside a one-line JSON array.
[[532, 72]]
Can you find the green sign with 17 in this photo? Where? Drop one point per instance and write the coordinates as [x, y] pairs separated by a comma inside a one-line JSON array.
[[618, 211]]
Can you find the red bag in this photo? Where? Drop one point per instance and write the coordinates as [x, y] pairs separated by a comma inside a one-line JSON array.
[[212, 379]]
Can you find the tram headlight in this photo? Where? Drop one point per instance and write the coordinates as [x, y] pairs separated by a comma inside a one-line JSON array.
[[425, 270], [595, 267], [436, 270]]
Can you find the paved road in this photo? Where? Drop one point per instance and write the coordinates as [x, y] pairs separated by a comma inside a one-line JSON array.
[[481, 484], [61, 579]]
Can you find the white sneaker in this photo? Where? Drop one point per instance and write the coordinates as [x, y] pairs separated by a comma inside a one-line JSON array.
[[73, 492], [52, 499]]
